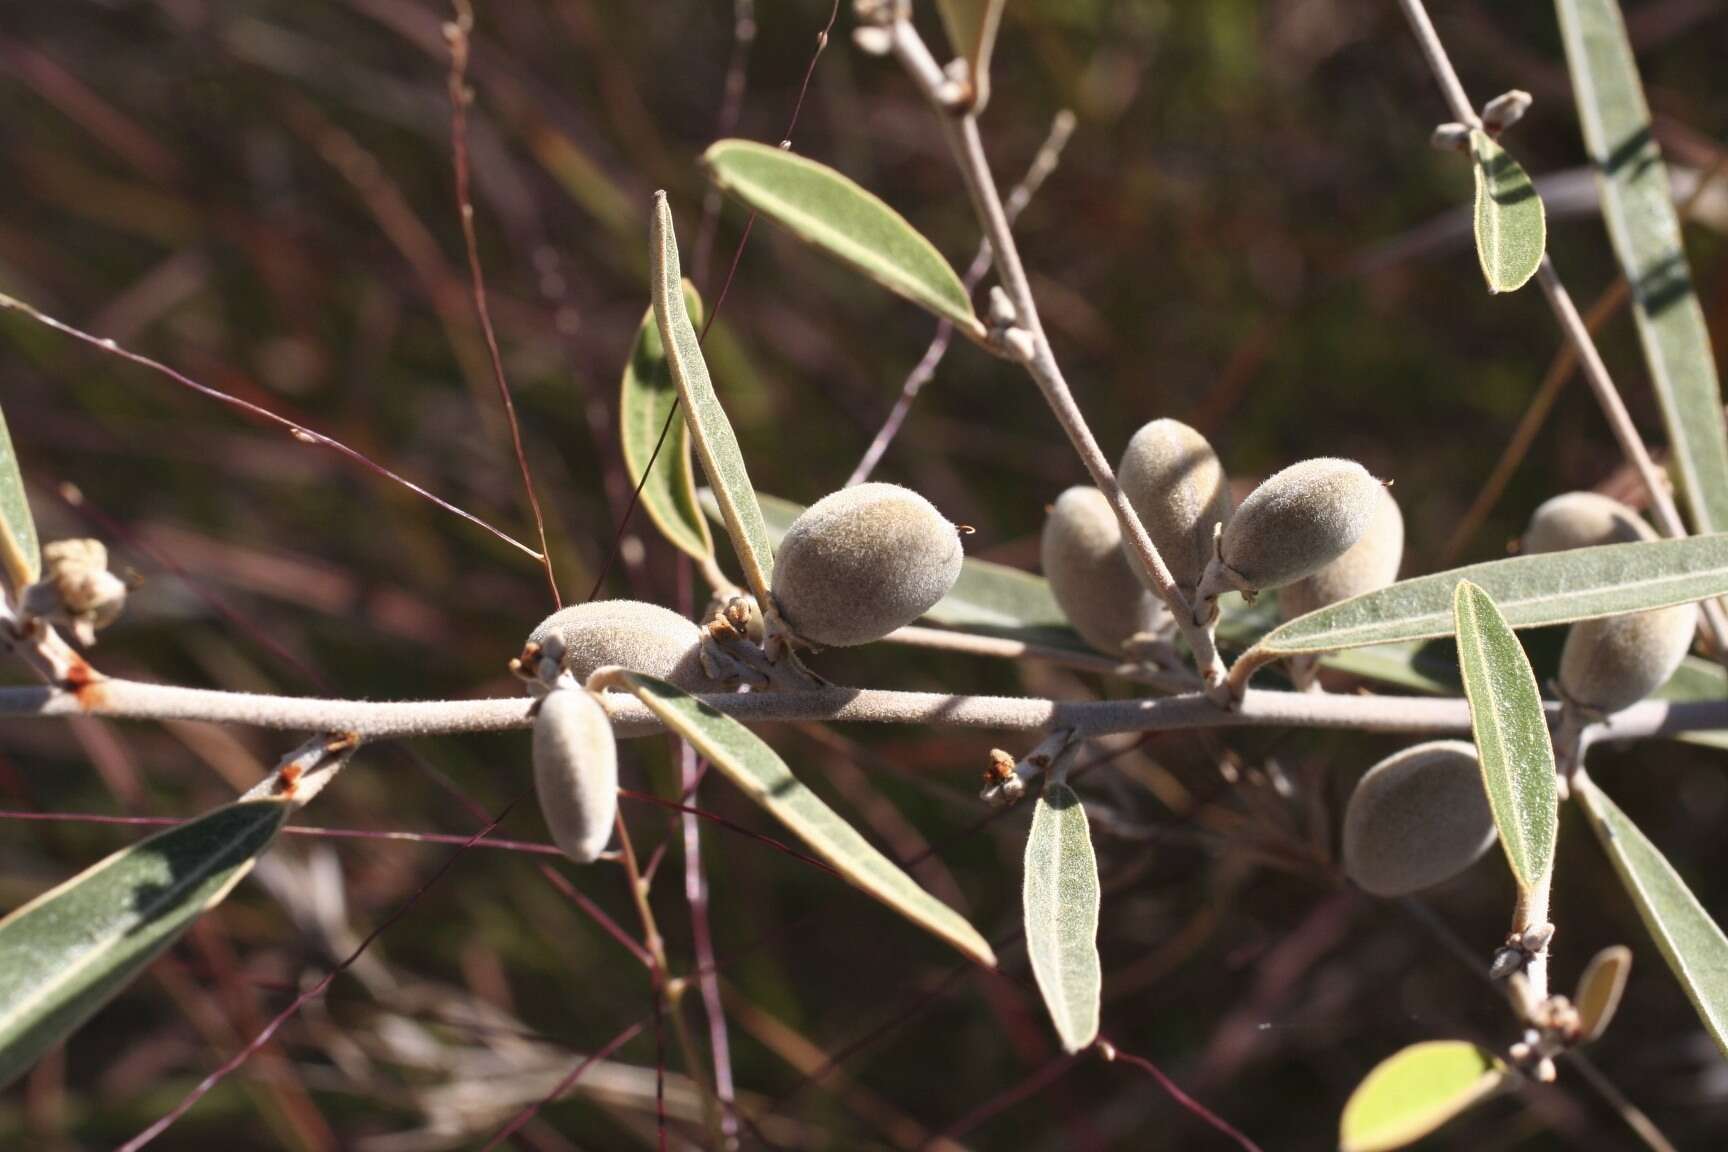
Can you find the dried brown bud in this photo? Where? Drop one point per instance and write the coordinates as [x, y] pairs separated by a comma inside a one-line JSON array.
[[1178, 489], [861, 562], [76, 588], [576, 772], [1089, 573], [1417, 818]]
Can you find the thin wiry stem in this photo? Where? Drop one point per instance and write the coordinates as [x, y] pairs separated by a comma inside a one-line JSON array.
[[702, 943], [457, 33]]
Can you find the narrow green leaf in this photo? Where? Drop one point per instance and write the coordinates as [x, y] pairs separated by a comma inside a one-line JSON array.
[[1511, 736], [830, 212], [715, 441], [20, 555], [1413, 1092], [1639, 211], [646, 401], [71, 950], [971, 26], [1511, 229], [1532, 591], [760, 773], [1690, 941], [1061, 904]]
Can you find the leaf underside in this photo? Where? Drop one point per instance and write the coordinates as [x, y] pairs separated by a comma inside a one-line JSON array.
[[20, 554], [647, 401], [1060, 900], [1511, 228]]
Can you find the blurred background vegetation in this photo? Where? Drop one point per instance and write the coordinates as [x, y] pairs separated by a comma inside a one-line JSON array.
[[1240, 235]]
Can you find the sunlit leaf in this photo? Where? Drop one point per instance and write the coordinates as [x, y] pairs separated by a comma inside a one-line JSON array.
[[1511, 230], [1639, 211], [760, 773], [647, 399], [715, 441], [71, 950], [971, 26], [1511, 733], [1412, 1093], [830, 212], [1060, 898], [1599, 991], [20, 555], [1689, 939]]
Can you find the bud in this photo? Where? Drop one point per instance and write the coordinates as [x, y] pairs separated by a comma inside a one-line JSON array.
[[1178, 488], [642, 637], [1582, 520], [76, 588], [1294, 524], [576, 772], [1417, 818], [1089, 574], [1371, 564], [1614, 662], [861, 562]]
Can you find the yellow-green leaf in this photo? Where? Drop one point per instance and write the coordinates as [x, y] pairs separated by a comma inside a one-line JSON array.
[[20, 555], [830, 212], [1060, 898], [1511, 736], [971, 26], [1690, 940], [1511, 229], [71, 950], [759, 772], [646, 407], [1412, 1093], [716, 443]]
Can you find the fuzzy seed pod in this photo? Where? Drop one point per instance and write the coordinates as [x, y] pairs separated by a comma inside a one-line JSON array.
[[1178, 489], [1417, 818], [642, 637], [1371, 564], [1614, 662], [576, 772], [1089, 573], [861, 562], [1295, 523], [1581, 520]]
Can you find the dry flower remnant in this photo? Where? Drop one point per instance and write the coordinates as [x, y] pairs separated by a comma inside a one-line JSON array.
[[76, 589]]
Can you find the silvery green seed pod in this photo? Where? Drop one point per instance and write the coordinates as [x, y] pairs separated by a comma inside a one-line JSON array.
[[642, 637], [1178, 489], [1371, 564], [1297, 522], [1417, 818], [1089, 574], [1582, 520], [576, 772], [861, 562], [1614, 662]]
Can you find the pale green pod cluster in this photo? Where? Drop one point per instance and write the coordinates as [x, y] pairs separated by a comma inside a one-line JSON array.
[[576, 772], [1294, 524], [1582, 520], [642, 637], [1082, 556], [1614, 662], [1178, 489], [1417, 818], [861, 562], [1370, 564]]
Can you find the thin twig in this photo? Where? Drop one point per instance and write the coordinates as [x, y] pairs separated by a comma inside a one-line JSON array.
[[457, 34], [1193, 1106], [731, 106], [702, 943]]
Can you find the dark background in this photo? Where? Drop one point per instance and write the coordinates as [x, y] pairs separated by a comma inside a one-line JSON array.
[[260, 194]]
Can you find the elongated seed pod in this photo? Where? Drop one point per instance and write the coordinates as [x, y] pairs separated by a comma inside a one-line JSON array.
[[1178, 489], [1614, 662], [576, 772], [642, 637], [861, 562], [1417, 818], [1371, 564], [1089, 575], [1581, 520], [1295, 523]]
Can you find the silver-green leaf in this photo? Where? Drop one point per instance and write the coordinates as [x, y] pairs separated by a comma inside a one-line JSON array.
[[971, 26], [1060, 897], [1689, 939], [1511, 228], [20, 554], [71, 950], [646, 402], [830, 212], [1639, 211], [1413, 1092], [1512, 740], [716, 443], [759, 772]]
